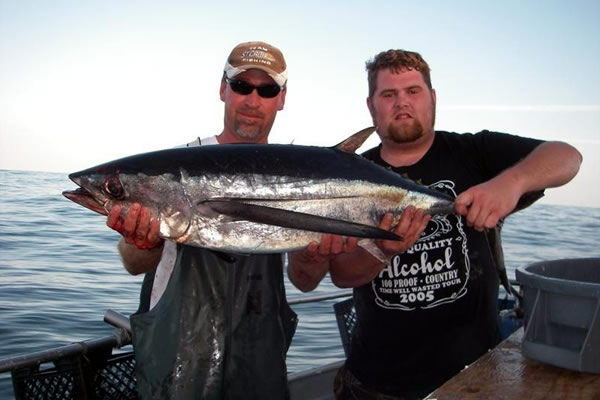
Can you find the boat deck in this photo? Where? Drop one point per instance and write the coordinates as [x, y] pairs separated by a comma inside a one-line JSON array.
[[504, 373]]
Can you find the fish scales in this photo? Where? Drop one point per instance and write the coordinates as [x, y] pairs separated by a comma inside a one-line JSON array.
[[255, 198]]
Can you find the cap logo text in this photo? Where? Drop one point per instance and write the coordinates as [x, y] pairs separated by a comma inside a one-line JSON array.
[[257, 56]]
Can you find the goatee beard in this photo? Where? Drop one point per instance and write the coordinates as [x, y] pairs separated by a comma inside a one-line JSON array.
[[405, 134], [248, 132]]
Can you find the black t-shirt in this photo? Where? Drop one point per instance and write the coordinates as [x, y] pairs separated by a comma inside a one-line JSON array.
[[432, 310]]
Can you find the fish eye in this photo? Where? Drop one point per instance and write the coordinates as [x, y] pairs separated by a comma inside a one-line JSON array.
[[113, 186]]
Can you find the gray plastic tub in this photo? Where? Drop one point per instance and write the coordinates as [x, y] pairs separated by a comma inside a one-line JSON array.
[[561, 300]]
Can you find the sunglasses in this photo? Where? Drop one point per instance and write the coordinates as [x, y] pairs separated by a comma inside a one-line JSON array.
[[244, 88]]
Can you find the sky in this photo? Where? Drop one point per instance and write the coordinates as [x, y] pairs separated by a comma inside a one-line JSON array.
[[85, 82]]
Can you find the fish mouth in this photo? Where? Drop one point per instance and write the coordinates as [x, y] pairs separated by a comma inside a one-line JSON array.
[[82, 197]]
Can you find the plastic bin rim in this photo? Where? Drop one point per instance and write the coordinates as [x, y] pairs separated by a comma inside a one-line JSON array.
[[531, 279]]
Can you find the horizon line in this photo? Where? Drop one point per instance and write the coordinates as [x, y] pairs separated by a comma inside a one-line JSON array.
[[525, 107]]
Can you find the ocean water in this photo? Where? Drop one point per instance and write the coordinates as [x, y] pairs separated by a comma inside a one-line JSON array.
[[60, 270]]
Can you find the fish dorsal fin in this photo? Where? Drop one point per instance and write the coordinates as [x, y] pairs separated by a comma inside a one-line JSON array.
[[351, 144]]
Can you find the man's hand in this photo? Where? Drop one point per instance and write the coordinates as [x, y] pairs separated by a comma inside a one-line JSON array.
[[309, 266], [485, 204], [411, 225], [329, 247], [137, 227]]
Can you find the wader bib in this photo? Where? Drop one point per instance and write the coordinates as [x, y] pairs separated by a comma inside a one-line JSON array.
[[221, 330]]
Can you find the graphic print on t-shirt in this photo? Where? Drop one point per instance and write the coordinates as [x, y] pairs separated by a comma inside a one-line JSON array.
[[432, 272]]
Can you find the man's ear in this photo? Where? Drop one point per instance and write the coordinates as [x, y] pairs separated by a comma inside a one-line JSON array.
[[222, 89], [281, 99], [371, 108]]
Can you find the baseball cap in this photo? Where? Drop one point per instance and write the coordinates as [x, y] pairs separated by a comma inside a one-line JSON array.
[[258, 55]]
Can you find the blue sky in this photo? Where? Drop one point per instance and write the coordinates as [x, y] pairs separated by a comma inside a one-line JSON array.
[[83, 82]]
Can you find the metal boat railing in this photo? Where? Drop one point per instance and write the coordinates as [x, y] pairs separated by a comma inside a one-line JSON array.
[[121, 337], [313, 299]]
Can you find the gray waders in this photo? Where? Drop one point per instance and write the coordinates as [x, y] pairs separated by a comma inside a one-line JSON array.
[[221, 330]]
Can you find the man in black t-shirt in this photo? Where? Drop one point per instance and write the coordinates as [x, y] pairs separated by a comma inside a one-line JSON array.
[[426, 306]]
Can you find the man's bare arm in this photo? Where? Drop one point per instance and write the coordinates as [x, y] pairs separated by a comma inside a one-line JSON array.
[[138, 261], [551, 164]]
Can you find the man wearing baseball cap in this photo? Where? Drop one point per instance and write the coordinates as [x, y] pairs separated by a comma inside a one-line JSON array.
[[212, 325]]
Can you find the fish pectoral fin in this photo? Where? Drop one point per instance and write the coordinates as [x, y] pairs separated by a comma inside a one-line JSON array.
[[173, 223], [296, 220]]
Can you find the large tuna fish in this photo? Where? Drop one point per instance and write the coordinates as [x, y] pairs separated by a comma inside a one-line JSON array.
[[256, 198]]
